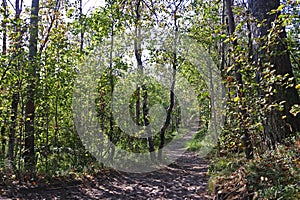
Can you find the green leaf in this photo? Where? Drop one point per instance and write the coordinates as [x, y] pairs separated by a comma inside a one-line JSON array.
[[236, 99], [223, 35], [280, 8]]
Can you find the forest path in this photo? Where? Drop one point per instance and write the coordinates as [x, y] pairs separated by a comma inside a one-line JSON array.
[[185, 179]]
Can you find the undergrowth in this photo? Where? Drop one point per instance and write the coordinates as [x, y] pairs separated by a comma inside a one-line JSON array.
[[275, 174]]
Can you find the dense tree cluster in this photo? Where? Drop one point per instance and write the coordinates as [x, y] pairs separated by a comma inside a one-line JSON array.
[[254, 44]]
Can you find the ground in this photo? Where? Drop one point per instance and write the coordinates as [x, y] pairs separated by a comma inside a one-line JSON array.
[[185, 179]]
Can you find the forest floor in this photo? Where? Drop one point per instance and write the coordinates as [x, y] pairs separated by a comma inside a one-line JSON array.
[[185, 179]]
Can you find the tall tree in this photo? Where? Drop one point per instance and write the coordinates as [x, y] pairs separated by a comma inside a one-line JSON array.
[[4, 48], [16, 94], [81, 29], [29, 155], [138, 56], [4, 26], [238, 76], [173, 81], [278, 124], [111, 80]]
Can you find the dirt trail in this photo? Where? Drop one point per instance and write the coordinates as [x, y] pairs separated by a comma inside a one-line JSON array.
[[185, 179]]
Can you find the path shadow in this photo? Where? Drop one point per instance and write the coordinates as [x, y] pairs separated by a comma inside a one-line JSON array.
[[185, 179]]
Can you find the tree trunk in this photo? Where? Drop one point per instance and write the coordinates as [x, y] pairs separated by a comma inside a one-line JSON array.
[[172, 95], [276, 129], [4, 27], [4, 48], [111, 118], [12, 135], [16, 94], [246, 139], [29, 154], [137, 105], [138, 56], [146, 123], [81, 29], [3, 142]]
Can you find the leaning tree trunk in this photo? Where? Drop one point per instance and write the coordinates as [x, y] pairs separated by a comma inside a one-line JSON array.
[[276, 126], [29, 154], [167, 121]]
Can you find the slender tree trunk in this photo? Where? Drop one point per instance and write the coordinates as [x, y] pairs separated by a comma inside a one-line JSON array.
[[223, 62], [222, 65], [3, 142], [172, 96], [146, 123], [47, 130], [246, 140], [20, 140], [12, 135], [81, 29], [4, 48], [276, 128], [111, 117], [55, 159], [138, 56], [16, 94], [4, 27], [29, 154], [137, 105]]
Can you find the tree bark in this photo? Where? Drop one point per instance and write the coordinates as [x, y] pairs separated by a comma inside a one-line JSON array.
[[276, 129], [138, 56], [111, 117], [16, 94], [81, 29], [246, 139], [4, 27], [4, 48], [167, 122], [29, 154]]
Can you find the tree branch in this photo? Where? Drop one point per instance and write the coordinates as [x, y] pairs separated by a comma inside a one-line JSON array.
[[57, 5]]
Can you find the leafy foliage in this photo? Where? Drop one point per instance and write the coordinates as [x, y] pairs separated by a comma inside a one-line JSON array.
[[258, 100]]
